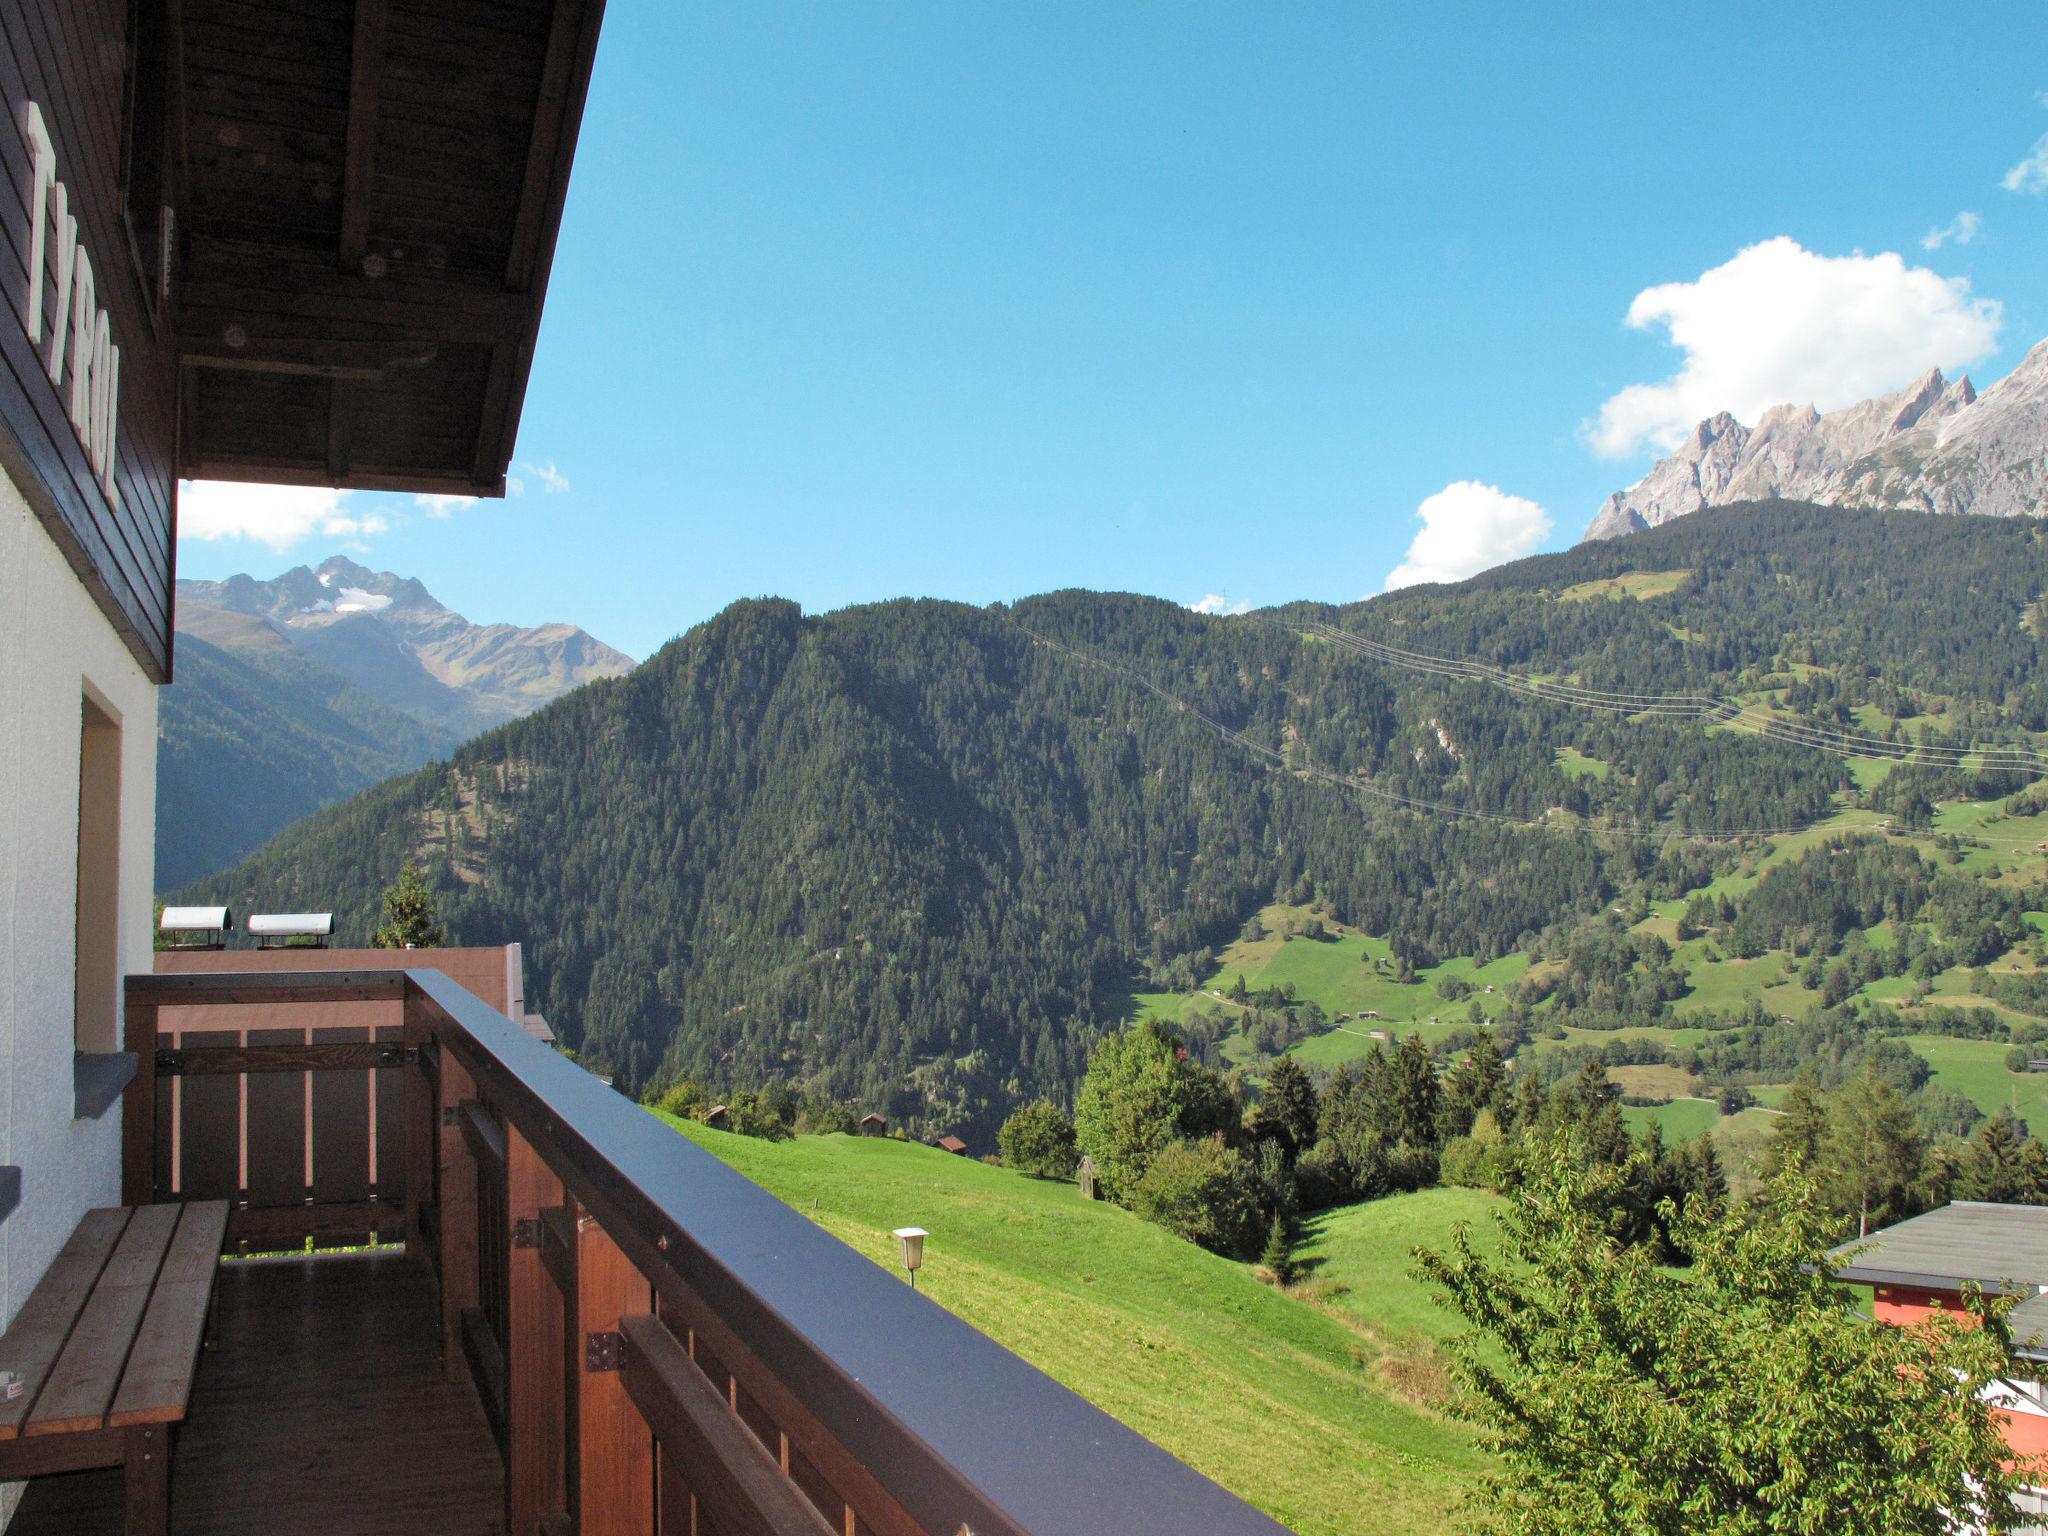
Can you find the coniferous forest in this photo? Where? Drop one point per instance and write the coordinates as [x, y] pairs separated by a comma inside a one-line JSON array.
[[918, 855]]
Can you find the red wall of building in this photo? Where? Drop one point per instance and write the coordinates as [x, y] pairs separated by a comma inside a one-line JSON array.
[[1907, 1305]]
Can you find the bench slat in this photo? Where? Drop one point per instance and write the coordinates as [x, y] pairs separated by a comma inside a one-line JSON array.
[[46, 1320], [195, 1250], [158, 1381], [81, 1385]]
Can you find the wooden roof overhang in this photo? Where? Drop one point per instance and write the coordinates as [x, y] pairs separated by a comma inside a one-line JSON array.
[[369, 195]]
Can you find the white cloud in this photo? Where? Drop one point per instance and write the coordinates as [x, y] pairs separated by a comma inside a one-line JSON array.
[[1960, 230], [551, 479], [1467, 527], [1776, 324], [439, 504], [2031, 174], [1216, 602], [276, 515]]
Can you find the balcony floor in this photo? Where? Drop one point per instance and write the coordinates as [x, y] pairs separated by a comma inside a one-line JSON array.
[[321, 1408]]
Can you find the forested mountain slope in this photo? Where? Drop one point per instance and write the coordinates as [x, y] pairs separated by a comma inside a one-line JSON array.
[[918, 854], [255, 735]]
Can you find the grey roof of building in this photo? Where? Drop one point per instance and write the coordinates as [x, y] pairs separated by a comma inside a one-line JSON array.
[[2029, 1324], [2001, 1248]]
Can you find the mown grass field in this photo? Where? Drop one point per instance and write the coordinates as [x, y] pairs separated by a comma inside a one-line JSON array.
[[1281, 1401], [1976, 1069], [1346, 972], [1576, 765], [1637, 584]]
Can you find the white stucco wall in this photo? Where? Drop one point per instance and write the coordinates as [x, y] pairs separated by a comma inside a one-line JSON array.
[[54, 644]]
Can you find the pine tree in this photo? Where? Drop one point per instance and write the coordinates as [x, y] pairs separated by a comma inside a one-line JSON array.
[[409, 921], [1278, 1257], [1705, 1180], [1872, 1150], [1287, 1111], [1802, 1126], [2003, 1164]]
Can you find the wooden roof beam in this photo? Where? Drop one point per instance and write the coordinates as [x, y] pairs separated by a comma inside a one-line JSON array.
[[565, 71], [366, 70]]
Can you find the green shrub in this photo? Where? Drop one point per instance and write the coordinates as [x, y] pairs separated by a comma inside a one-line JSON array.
[[1464, 1162], [1039, 1140], [1205, 1192], [748, 1113], [683, 1100]]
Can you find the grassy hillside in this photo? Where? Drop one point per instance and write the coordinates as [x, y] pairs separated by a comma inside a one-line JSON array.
[[1281, 1401], [1361, 1257]]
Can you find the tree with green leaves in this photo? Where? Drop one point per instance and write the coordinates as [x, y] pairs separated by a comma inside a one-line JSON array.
[[1872, 1151], [1142, 1094], [1705, 1179], [409, 920], [1038, 1139], [1747, 1397]]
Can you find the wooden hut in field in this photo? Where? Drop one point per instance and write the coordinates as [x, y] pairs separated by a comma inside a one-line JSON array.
[[1089, 1180], [952, 1144], [873, 1125]]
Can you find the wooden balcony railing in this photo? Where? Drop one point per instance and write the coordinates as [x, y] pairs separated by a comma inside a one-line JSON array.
[[660, 1345]]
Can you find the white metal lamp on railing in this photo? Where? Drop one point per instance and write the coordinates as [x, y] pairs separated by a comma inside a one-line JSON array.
[[197, 927], [911, 1241]]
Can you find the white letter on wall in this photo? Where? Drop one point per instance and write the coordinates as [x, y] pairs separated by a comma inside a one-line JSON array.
[[84, 313], [67, 252], [42, 173]]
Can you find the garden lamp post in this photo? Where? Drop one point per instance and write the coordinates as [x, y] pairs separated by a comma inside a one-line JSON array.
[[910, 1240]]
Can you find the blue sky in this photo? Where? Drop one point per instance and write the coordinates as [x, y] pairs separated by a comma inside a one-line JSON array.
[[855, 301]]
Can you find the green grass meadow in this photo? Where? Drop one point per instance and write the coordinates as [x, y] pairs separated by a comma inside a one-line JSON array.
[[1282, 1401]]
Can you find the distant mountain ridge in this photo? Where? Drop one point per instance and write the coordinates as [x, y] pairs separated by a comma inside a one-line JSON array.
[[390, 636], [1935, 446], [297, 692]]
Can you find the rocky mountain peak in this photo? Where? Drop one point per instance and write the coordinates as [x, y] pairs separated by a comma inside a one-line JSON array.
[[1934, 445]]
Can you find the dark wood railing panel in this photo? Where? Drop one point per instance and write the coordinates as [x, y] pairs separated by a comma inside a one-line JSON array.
[[389, 1169], [141, 1147], [422, 1136], [276, 1121], [487, 1145], [204, 989], [341, 1131], [207, 1158]]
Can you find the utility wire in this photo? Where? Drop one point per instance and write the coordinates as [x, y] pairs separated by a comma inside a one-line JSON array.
[[1650, 832], [1682, 706]]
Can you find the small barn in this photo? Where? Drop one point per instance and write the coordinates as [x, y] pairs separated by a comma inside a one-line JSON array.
[[952, 1144], [1089, 1180], [716, 1117], [874, 1125]]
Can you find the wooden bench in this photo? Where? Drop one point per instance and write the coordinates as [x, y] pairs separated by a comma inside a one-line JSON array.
[[106, 1346]]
